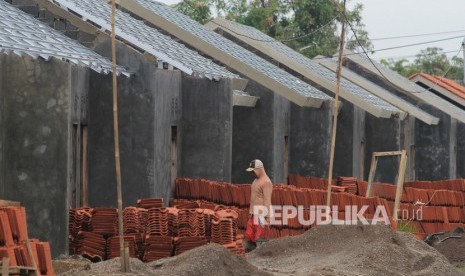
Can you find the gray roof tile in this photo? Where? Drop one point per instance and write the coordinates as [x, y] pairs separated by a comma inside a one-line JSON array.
[[239, 53], [22, 34], [144, 37]]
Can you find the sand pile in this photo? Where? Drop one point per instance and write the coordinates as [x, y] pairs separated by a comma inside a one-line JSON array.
[[211, 259], [351, 250]]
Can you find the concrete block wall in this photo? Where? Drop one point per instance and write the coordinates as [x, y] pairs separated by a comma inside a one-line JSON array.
[[433, 145], [36, 113], [310, 140], [206, 128], [259, 133]]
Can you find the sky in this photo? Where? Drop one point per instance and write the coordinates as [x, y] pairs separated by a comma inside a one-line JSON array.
[[392, 18]]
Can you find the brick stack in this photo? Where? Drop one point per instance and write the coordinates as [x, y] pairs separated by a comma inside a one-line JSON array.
[[13, 239]]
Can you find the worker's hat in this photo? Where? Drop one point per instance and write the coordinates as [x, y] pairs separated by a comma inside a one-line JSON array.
[[255, 164]]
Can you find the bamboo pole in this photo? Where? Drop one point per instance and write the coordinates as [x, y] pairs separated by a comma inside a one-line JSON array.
[[336, 104], [124, 266]]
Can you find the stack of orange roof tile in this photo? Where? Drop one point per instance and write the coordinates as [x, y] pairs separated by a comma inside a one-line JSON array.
[[157, 222], [134, 220], [173, 221], [183, 244], [224, 227], [236, 247], [157, 247], [6, 236], [13, 239], [150, 203], [103, 221], [134, 242], [8, 252], [349, 182], [191, 223], [17, 221], [44, 258], [91, 245]]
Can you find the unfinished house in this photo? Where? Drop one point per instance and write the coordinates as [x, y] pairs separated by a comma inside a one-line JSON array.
[[415, 113], [455, 94], [432, 148], [265, 131], [175, 112], [368, 122], [44, 89]]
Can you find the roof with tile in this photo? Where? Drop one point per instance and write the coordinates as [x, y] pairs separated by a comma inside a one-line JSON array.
[[230, 54], [455, 91], [138, 34], [406, 86], [306, 67], [22, 34], [331, 63]]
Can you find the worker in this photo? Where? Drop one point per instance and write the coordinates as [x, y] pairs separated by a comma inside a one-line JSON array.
[[258, 225]]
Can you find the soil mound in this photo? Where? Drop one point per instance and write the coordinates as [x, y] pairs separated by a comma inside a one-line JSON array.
[[351, 250], [211, 259]]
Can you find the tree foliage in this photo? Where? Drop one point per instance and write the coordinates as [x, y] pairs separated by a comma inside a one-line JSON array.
[[432, 61], [309, 26]]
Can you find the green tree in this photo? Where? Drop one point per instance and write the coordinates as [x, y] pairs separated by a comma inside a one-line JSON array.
[[308, 26], [432, 61]]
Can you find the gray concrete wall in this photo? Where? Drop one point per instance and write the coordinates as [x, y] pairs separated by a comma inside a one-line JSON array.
[[431, 144], [382, 135], [168, 111], [460, 150], [35, 130], [136, 116], [344, 150], [310, 140], [432, 147], [258, 133], [207, 114]]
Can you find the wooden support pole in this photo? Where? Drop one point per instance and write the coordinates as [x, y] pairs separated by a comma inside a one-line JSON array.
[[400, 183], [116, 136], [371, 176], [336, 105]]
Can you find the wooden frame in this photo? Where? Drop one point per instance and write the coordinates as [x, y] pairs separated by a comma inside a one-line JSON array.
[[400, 176]]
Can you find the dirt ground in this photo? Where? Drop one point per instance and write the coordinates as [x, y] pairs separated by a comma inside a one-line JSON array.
[[325, 250], [208, 260], [351, 250]]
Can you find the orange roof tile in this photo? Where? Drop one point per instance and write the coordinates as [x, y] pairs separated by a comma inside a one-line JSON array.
[[445, 83]]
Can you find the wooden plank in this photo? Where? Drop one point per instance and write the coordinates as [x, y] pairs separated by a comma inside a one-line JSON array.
[[400, 183], [371, 177], [387, 153], [5, 266], [5, 203]]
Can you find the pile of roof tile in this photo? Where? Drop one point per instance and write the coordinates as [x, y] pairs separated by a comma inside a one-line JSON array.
[[103, 221], [157, 247], [134, 242], [89, 244], [150, 203], [134, 220], [348, 182], [183, 244], [224, 226], [13, 239], [191, 223], [157, 222]]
